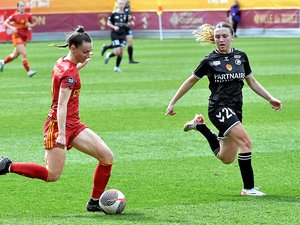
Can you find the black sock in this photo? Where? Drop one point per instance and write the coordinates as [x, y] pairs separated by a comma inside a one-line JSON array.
[[246, 169], [211, 138], [111, 55], [108, 47], [118, 62], [130, 52]]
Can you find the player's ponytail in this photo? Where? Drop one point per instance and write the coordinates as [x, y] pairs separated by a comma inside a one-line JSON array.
[[205, 33], [76, 38]]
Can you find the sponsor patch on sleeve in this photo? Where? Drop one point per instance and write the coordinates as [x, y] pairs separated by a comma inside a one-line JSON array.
[[71, 81]]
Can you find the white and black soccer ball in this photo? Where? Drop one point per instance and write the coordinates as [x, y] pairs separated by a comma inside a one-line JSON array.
[[112, 201]]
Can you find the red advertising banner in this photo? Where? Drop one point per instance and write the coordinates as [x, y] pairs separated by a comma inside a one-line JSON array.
[[5, 34], [285, 18]]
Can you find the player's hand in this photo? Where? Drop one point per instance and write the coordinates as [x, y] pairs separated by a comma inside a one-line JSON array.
[[14, 29], [170, 110], [116, 28], [61, 141], [276, 104]]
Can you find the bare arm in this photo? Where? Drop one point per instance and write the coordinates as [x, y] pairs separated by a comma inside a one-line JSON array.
[[260, 90], [109, 24], [7, 24], [64, 96], [184, 88]]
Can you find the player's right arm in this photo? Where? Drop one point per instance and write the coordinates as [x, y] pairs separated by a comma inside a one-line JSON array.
[[184, 88], [8, 25], [63, 99], [110, 23]]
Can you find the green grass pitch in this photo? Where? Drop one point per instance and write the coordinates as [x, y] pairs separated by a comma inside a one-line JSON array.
[[168, 176]]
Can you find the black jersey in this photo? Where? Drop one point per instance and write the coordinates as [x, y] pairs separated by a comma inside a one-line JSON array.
[[127, 10], [226, 73], [120, 20]]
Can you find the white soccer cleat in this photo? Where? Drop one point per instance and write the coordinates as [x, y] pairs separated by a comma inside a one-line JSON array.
[[252, 192], [191, 125], [106, 59], [117, 69], [1, 65], [31, 73]]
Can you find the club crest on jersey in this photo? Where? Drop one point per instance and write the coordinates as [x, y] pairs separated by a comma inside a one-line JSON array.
[[70, 81], [229, 67], [238, 62]]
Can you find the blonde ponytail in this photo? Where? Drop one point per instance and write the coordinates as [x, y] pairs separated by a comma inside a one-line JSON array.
[[205, 33]]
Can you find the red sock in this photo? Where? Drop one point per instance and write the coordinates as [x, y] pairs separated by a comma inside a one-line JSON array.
[[101, 177], [8, 59], [26, 65], [31, 170]]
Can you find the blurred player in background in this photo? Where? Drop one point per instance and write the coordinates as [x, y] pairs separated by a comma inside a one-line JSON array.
[[234, 16], [226, 69], [117, 21], [129, 36], [19, 23], [63, 128]]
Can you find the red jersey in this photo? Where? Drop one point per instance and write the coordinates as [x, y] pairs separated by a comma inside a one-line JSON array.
[[65, 75], [19, 21]]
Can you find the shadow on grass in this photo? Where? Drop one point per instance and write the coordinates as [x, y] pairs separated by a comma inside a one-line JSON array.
[[267, 198]]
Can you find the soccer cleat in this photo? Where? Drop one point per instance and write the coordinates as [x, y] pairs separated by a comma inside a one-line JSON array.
[[133, 62], [117, 69], [191, 125], [252, 192], [4, 165], [106, 59], [103, 49], [93, 206], [31, 73], [1, 65]]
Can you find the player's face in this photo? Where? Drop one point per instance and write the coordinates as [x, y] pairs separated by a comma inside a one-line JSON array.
[[82, 52], [223, 39], [21, 7], [121, 5]]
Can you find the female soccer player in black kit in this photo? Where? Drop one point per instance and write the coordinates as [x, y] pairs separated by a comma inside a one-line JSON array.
[[226, 69], [129, 36]]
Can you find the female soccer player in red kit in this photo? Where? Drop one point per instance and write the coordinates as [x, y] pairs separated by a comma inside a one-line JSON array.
[[63, 128], [19, 22]]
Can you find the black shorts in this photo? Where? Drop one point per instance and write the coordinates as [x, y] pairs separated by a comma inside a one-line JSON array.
[[116, 43], [224, 118]]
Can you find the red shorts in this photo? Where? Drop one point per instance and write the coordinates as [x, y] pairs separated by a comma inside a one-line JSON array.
[[18, 39], [51, 133]]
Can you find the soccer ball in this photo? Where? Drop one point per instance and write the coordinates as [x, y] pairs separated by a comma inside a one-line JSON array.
[[112, 202]]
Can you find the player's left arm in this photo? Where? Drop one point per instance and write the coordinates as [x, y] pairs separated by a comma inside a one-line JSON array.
[[31, 22], [260, 90]]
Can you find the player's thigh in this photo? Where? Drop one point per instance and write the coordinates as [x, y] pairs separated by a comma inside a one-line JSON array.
[[21, 50], [129, 39], [90, 143], [55, 161], [228, 150], [15, 53], [239, 135]]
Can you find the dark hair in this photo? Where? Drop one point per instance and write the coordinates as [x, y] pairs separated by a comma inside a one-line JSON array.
[[76, 38]]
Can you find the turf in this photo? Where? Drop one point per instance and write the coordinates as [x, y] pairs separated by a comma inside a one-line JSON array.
[[167, 176]]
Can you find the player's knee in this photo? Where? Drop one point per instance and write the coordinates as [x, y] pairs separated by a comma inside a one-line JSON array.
[[227, 161], [52, 177], [109, 157], [246, 145]]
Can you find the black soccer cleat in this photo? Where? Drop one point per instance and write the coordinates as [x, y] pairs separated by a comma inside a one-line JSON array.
[[4, 165], [103, 50], [93, 206], [133, 62]]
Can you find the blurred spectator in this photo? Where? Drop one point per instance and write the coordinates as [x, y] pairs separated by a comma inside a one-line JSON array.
[[234, 16]]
